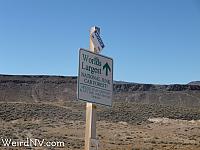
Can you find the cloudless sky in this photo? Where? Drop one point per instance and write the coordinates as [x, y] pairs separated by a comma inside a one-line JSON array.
[[151, 41]]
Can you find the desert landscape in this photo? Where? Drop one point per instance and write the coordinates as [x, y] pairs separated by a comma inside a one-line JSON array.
[[143, 116]]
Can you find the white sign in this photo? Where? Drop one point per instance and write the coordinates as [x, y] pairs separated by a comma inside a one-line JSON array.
[[95, 79], [97, 41]]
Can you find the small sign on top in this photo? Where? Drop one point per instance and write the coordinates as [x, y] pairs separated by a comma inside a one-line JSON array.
[[97, 41]]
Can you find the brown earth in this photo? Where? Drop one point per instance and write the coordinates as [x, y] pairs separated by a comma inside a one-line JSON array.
[[143, 116]]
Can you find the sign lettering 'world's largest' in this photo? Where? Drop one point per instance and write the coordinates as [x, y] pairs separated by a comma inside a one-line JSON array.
[[95, 79]]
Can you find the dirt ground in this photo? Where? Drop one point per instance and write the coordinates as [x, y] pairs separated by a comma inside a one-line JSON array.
[[153, 134]]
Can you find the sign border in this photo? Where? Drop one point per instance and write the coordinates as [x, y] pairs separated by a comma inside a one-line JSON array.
[[79, 76]]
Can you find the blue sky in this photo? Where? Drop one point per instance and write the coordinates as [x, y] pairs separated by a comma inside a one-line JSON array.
[[151, 41]]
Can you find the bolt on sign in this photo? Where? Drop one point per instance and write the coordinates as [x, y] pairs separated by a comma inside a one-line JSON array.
[[95, 79]]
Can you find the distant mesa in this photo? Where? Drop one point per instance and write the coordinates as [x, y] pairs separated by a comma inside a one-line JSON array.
[[45, 88], [121, 82], [194, 83]]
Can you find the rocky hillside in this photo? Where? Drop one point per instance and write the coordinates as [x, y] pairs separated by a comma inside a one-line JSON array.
[[45, 107], [194, 83], [19, 88]]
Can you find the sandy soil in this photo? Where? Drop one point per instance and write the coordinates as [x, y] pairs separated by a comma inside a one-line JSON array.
[[62, 123]]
